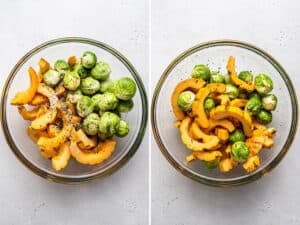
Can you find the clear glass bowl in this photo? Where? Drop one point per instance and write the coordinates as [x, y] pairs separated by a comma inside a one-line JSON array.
[[215, 55], [14, 126]]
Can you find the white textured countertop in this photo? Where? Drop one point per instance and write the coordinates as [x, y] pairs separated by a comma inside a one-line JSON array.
[[121, 198], [270, 24]]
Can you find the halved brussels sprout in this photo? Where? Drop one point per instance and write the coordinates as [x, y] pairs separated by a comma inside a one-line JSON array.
[[269, 102], [88, 60], [185, 100], [263, 84], [51, 78]]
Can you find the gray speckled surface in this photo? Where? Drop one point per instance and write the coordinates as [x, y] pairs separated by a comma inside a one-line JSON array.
[[270, 24], [121, 198]]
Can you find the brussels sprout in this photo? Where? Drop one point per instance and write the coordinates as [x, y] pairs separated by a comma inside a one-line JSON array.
[[104, 85], [90, 124], [61, 65], [103, 136], [210, 165], [232, 91], [51, 78], [101, 71], [89, 86], [269, 102], [246, 76], [123, 129], [185, 100], [84, 106], [125, 106], [96, 99], [71, 80], [74, 96], [124, 88], [201, 72], [264, 116], [227, 79], [263, 84], [108, 101], [237, 135], [109, 123], [239, 151], [88, 60], [209, 104], [254, 105], [216, 78], [82, 72]]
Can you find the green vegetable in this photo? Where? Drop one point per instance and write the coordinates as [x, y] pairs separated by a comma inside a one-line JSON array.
[[227, 79], [107, 101], [61, 65], [209, 104], [254, 105], [201, 72], [216, 78], [264, 116], [96, 99], [210, 165], [246, 76], [109, 123], [263, 84], [71, 80], [269, 102], [84, 106], [101, 71], [123, 129], [124, 88], [232, 91], [74, 96], [82, 72], [51, 78], [88, 60], [239, 151], [89, 86], [125, 106], [104, 85], [237, 135], [90, 124], [185, 100]]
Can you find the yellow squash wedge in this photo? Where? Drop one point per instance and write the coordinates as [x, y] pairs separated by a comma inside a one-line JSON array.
[[188, 84], [238, 102], [41, 122], [221, 112], [220, 123], [26, 96], [100, 153], [84, 141], [39, 99], [62, 158], [234, 78]]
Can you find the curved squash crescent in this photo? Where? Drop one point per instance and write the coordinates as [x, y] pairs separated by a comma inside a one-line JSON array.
[[188, 84], [100, 153], [26, 96], [61, 160]]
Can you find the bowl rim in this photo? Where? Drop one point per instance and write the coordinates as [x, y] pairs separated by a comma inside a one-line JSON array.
[[69, 179], [288, 142]]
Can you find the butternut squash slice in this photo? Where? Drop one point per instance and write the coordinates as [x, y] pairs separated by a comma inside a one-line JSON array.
[[252, 163], [234, 78], [220, 123], [26, 96], [100, 153], [221, 112], [54, 142], [191, 143], [44, 66], [198, 105], [84, 141], [208, 156], [188, 84], [28, 114], [41, 123], [238, 102], [62, 158]]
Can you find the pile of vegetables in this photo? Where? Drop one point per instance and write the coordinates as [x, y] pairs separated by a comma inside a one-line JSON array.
[[75, 109], [223, 119]]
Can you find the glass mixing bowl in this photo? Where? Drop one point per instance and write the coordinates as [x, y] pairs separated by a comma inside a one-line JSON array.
[[14, 126], [215, 54]]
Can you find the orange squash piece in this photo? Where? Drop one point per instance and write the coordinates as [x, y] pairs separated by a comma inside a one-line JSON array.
[[97, 155], [41, 122], [72, 60], [192, 84], [44, 66], [26, 96], [84, 141], [35, 135], [234, 78], [53, 130], [28, 114], [62, 158], [39, 99]]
